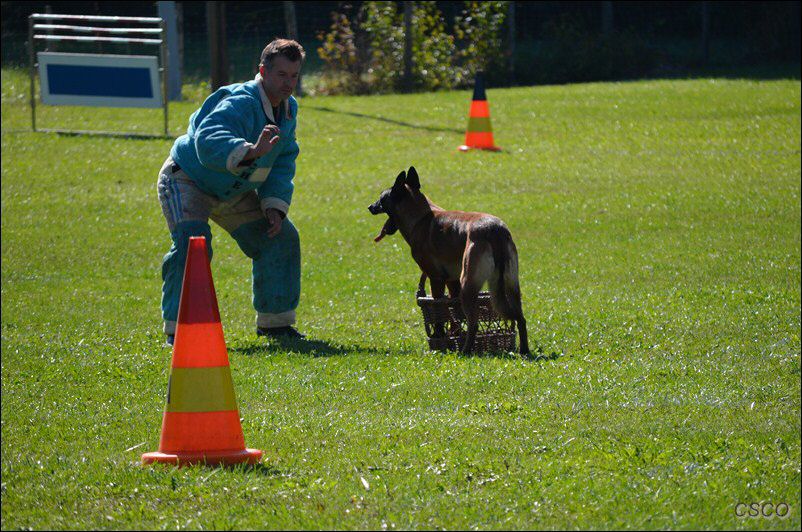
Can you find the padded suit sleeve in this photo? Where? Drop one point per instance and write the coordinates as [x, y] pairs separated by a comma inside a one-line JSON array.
[[220, 138]]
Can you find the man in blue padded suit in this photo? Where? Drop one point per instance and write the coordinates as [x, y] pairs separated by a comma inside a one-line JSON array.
[[235, 166]]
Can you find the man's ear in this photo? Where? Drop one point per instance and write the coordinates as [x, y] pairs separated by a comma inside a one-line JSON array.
[[399, 181], [262, 70], [412, 178]]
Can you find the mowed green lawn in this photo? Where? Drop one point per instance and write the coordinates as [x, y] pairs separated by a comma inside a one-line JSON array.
[[658, 227]]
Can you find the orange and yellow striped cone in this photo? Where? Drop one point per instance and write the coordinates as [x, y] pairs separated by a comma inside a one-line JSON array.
[[480, 133], [201, 421]]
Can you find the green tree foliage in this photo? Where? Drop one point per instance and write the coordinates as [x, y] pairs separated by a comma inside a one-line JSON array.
[[433, 49], [478, 33], [364, 51], [383, 25], [344, 68]]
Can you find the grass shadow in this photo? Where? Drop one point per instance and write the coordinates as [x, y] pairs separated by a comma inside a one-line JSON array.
[[93, 134], [106, 134], [382, 119], [258, 468], [316, 348], [509, 355], [266, 470], [538, 355]]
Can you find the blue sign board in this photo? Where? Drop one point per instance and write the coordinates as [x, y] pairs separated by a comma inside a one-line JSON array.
[[99, 80]]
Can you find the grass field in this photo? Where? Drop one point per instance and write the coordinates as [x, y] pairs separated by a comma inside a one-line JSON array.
[[658, 226]]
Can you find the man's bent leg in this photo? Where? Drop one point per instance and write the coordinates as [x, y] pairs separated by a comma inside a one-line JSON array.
[[276, 271], [186, 211], [173, 268]]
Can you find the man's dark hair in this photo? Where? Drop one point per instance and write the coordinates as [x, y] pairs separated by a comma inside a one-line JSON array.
[[285, 47]]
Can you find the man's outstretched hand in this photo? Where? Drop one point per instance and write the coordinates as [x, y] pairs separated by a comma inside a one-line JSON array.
[[267, 139]]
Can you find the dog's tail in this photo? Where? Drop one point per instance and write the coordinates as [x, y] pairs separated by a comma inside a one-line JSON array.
[[505, 291]]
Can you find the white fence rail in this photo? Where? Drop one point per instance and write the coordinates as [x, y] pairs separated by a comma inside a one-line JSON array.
[[98, 79]]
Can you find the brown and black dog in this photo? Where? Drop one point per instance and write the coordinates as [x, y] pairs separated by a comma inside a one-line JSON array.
[[460, 250]]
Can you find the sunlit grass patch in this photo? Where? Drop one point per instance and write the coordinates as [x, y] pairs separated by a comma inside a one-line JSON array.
[[658, 227]]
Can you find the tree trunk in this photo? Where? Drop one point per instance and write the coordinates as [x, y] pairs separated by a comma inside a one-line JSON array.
[[291, 24], [218, 52], [179, 22], [168, 11]]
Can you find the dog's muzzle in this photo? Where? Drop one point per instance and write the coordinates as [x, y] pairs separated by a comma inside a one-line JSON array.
[[376, 208]]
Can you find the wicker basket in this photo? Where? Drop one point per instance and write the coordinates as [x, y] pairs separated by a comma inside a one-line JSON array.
[[494, 334]]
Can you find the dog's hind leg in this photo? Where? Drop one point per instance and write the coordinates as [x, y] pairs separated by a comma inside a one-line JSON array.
[[514, 295], [505, 293], [507, 302], [524, 350], [477, 266]]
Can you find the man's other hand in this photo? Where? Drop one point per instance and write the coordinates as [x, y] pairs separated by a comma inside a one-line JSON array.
[[274, 220]]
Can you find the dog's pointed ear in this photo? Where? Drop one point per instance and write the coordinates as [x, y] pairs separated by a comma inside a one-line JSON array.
[[412, 178], [399, 181]]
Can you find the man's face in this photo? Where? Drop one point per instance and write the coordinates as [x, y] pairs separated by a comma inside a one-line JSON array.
[[280, 78]]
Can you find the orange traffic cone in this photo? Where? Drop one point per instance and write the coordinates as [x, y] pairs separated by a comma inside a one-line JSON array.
[[201, 421], [480, 134]]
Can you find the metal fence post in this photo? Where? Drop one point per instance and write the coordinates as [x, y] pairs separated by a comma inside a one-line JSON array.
[[164, 75], [32, 55], [168, 11]]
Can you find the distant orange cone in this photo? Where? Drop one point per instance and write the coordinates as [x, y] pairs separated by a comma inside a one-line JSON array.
[[480, 133], [201, 420]]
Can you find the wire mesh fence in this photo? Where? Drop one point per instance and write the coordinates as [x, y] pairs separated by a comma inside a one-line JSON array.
[[553, 41]]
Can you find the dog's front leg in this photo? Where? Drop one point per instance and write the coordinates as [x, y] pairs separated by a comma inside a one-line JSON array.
[[453, 289], [438, 288], [438, 291], [470, 306], [422, 286]]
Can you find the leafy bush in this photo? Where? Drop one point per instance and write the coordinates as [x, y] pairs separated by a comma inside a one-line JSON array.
[[344, 67], [478, 33], [365, 52], [433, 49], [384, 28]]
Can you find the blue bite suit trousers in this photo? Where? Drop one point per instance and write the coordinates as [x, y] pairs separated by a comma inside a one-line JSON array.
[[276, 261]]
